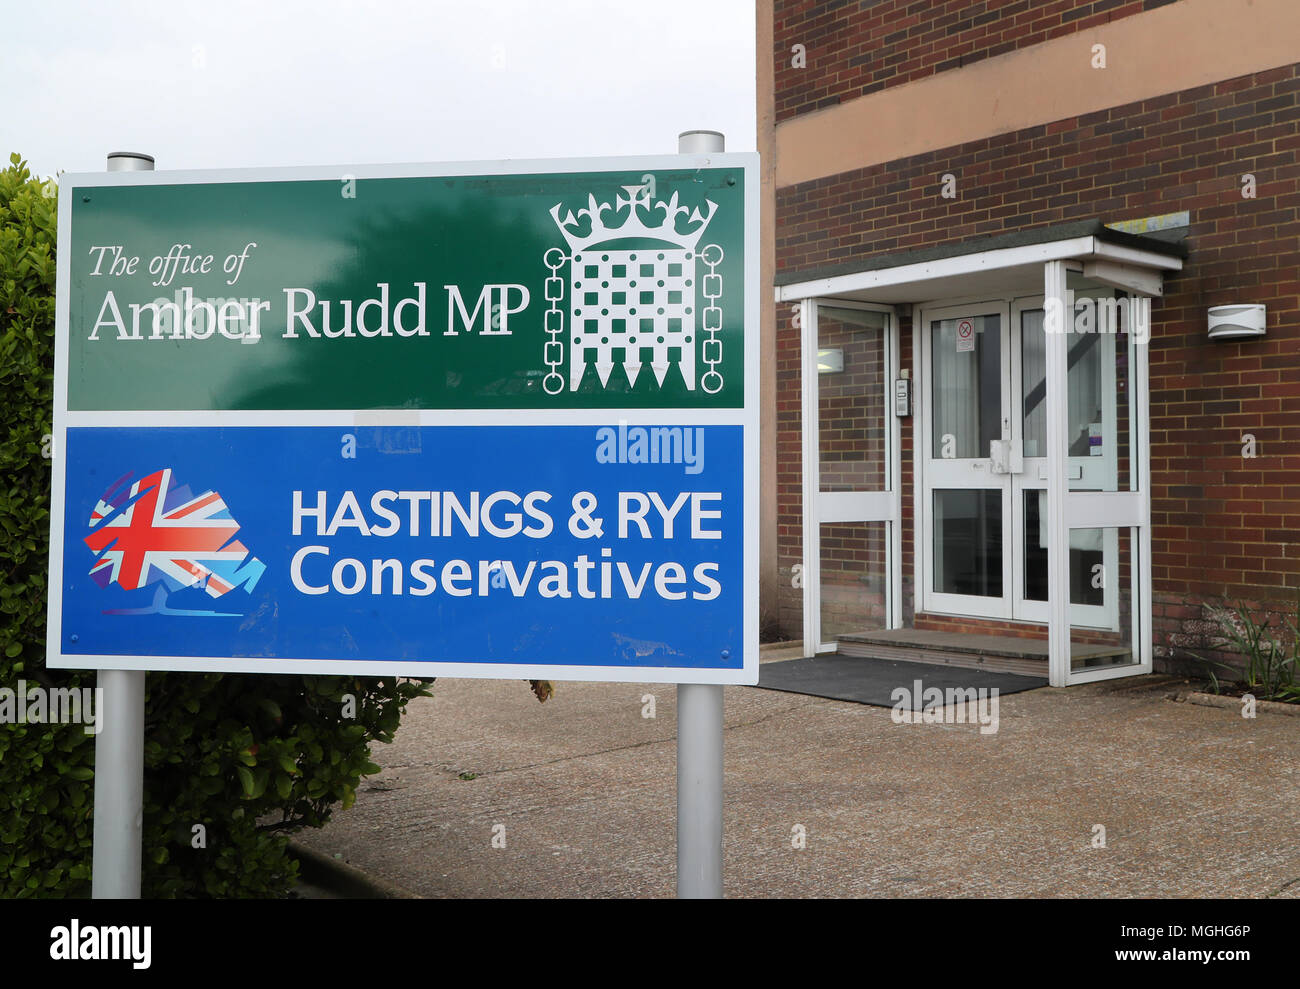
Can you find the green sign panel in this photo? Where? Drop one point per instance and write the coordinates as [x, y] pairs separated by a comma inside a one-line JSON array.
[[615, 289]]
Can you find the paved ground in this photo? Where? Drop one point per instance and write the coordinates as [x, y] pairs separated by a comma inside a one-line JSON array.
[[1196, 801]]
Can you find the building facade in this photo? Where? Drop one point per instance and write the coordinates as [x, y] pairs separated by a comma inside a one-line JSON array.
[[1015, 254]]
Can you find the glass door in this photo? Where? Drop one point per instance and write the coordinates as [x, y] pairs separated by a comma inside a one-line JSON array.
[[985, 497], [852, 508], [966, 496], [1094, 452]]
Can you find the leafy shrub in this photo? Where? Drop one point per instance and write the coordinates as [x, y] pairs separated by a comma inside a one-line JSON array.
[[1269, 654], [45, 771], [248, 758]]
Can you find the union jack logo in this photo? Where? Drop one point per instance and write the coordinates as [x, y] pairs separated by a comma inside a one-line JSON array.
[[153, 531]]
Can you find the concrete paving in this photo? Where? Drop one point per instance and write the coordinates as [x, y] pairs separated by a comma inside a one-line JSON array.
[[1195, 800]]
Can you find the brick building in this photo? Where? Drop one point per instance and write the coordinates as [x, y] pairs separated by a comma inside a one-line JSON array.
[[1015, 250]]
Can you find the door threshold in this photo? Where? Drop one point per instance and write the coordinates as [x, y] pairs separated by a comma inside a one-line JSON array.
[[996, 653]]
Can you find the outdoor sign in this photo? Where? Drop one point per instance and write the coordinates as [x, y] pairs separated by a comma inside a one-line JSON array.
[[491, 419]]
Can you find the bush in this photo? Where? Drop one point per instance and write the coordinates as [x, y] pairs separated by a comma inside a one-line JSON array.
[[1268, 654], [251, 758], [247, 758]]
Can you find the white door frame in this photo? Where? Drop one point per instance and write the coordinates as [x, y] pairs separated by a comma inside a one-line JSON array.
[[820, 507], [1093, 509]]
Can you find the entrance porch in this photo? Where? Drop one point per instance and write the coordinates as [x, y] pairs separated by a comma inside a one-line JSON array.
[[975, 453]]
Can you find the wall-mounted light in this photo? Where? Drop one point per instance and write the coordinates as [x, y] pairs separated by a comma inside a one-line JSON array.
[[830, 361], [1230, 322]]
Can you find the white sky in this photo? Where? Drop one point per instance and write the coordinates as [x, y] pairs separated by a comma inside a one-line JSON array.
[[234, 83]]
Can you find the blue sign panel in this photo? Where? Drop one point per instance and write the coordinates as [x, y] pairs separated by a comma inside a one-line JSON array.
[[574, 551]]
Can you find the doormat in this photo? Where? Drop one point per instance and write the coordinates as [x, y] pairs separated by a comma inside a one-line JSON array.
[[873, 681]]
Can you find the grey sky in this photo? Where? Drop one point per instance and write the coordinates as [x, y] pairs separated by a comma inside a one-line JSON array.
[[239, 83]]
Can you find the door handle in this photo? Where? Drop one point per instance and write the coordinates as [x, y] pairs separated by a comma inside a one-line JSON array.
[[1005, 457], [1072, 471]]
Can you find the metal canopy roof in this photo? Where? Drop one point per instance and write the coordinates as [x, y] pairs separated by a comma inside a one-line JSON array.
[[1008, 263]]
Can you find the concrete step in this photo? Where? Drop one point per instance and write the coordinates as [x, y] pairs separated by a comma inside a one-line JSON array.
[[996, 653]]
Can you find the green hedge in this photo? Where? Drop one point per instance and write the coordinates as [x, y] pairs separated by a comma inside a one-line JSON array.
[[232, 763]]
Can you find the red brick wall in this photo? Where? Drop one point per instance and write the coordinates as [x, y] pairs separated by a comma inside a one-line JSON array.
[[852, 49], [789, 473], [1222, 524]]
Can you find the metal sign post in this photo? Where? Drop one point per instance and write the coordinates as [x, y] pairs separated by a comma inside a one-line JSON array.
[[699, 729], [119, 746]]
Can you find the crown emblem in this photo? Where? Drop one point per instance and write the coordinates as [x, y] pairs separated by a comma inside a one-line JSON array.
[[631, 305], [637, 199]]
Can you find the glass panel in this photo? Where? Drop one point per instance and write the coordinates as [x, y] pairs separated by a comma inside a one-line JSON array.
[[851, 399], [1085, 387], [1084, 415], [966, 386], [1113, 464], [1099, 415], [968, 542], [1033, 379], [1114, 561], [853, 577], [1086, 556], [1125, 476]]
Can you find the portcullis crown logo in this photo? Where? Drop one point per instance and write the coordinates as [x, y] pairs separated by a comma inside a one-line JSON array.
[[153, 531], [632, 291]]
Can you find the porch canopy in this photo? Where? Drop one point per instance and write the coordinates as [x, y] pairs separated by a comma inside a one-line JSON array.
[[1059, 262]]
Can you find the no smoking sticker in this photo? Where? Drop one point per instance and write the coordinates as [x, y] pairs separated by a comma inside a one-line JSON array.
[[965, 335]]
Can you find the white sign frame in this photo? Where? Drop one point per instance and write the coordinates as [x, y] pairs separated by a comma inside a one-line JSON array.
[[746, 417]]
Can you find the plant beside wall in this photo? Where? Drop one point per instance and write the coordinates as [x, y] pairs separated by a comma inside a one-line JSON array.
[[1268, 651]]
